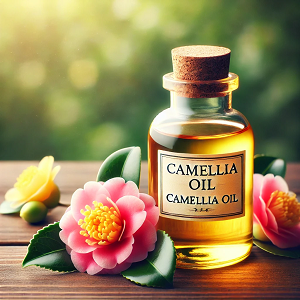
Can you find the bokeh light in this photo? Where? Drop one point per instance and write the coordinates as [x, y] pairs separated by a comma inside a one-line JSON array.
[[83, 73], [31, 74]]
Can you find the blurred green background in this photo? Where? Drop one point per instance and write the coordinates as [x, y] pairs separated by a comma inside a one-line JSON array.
[[81, 79]]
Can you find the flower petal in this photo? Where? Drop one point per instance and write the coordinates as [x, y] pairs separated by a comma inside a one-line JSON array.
[[116, 253], [46, 164], [117, 269], [132, 211], [271, 184], [77, 242], [93, 191], [54, 172], [43, 192], [117, 188], [14, 195], [85, 262], [35, 182], [258, 232], [150, 208], [144, 242], [272, 223], [259, 208], [69, 250], [285, 238], [67, 224]]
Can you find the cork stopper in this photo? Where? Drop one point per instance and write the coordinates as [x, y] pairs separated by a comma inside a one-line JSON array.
[[198, 63]]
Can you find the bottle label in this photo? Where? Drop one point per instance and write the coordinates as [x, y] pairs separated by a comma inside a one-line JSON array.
[[201, 187]]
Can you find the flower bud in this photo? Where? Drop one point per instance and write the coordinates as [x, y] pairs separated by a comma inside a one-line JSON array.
[[33, 212]]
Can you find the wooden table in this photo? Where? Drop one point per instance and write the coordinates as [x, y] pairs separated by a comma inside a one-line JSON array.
[[261, 275]]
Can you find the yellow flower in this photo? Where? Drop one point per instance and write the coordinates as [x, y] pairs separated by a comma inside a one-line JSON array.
[[36, 184]]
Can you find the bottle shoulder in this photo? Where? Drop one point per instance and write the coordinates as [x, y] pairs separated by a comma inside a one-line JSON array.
[[171, 122]]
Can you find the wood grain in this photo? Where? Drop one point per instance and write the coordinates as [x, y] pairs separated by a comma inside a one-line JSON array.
[[262, 275]]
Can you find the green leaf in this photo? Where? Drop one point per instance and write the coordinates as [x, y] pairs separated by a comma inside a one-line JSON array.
[[271, 248], [268, 164], [125, 163], [6, 209], [46, 250], [157, 270]]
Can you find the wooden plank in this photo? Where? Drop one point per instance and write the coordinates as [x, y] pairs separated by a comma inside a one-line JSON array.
[[262, 275]]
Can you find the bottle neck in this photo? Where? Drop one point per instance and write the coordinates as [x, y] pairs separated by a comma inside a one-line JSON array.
[[201, 106]]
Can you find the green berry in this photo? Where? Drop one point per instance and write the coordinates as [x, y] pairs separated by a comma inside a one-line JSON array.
[[33, 212]]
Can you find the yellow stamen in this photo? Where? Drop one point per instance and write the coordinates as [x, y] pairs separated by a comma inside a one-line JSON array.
[[102, 225], [285, 208]]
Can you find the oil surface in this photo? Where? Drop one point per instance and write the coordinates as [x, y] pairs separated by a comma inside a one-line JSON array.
[[206, 244]]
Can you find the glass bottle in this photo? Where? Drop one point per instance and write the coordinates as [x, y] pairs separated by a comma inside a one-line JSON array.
[[200, 155]]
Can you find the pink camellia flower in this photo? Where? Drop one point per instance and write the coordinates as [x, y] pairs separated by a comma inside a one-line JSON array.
[[276, 214], [109, 226]]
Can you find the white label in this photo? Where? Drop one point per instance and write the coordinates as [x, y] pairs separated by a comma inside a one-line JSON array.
[[201, 187]]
